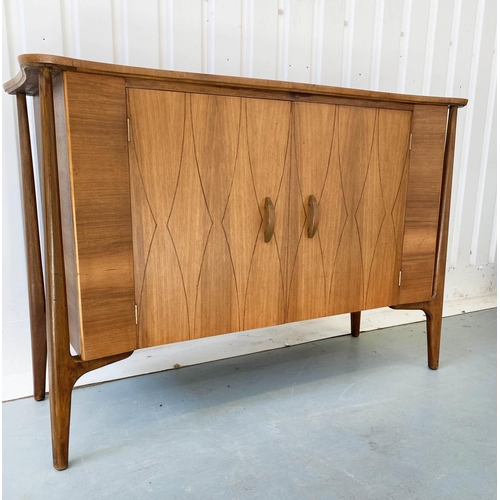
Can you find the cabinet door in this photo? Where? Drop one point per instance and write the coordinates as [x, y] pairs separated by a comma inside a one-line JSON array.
[[201, 168], [354, 161]]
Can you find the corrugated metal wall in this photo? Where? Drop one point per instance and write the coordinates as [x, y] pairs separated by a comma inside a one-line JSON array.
[[438, 47]]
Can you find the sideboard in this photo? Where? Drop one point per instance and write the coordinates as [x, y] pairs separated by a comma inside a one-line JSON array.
[[179, 206]]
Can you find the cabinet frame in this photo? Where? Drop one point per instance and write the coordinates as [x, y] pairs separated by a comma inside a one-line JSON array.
[[36, 79]]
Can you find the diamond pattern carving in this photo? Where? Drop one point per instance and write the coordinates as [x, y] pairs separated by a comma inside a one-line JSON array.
[[189, 224], [392, 155], [370, 212], [143, 226], [201, 263], [313, 166], [262, 147], [158, 279]]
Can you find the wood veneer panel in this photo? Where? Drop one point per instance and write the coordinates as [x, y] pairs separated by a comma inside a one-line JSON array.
[[99, 178], [25, 81], [215, 124], [260, 93], [381, 213], [160, 148], [240, 148], [201, 168], [314, 171], [262, 170], [188, 288], [355, 162], [356, 129], [422, 204]]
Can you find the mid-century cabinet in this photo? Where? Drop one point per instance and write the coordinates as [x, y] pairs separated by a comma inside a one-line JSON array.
[[180, 206]]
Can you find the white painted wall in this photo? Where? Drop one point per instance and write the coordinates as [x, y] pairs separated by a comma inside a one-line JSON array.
[[437, 47]]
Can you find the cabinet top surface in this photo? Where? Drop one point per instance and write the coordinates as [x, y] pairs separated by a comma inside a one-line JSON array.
[[26, 81]]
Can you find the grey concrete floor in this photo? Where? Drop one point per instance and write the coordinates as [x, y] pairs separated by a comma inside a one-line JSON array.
[[341, 418]]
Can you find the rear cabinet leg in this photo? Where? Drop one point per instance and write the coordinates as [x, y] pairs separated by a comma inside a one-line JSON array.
[[355, 323], [434, 322], [36, 293]]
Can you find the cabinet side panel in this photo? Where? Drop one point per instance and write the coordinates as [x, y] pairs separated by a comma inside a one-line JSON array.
[[67, 220], [422, 203], [97, 132]]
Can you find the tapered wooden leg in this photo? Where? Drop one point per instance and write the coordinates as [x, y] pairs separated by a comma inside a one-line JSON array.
[[433, 310], [36, 294], [355, 323], [64, 369], [434, 321]]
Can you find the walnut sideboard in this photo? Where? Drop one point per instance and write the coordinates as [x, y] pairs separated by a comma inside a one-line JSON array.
[[179, 206]]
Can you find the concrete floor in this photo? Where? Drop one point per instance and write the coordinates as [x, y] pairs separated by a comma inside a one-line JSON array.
[[342, 418]]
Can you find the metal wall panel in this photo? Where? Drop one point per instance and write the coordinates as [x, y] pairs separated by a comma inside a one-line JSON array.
[[438, 47]]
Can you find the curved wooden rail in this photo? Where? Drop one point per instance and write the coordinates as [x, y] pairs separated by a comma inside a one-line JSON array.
[[26, 81]]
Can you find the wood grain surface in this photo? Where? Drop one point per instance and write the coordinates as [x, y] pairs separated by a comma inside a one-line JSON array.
[[201, 265], [388, 196], [422, 204], [36, 292], [195, 222], [26, 80], [281, 93], [261, 171], [175, 227], [354, 161], [64, 369], [96, 177], [201, 169], [314, 152], [433, 307]]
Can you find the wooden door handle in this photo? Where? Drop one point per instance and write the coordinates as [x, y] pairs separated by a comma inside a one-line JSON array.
[[312, 216], [269, 220]]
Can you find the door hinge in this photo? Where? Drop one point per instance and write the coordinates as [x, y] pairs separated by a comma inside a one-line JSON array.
[[128, 129], [136, 315], [411, 137], [399, 279]]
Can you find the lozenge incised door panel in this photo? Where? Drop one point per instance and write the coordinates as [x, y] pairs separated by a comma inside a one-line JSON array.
[[261, 171], [160, 145], [354, 161], [201, 168]]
